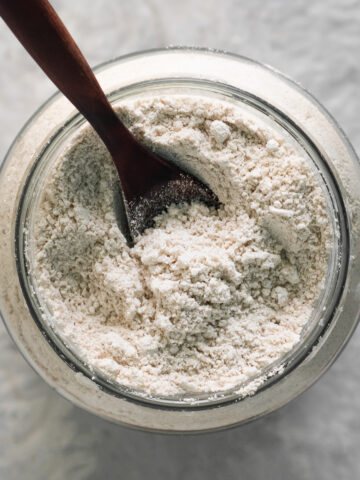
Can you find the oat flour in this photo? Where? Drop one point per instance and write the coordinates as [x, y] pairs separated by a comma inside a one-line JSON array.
[[207, 298]]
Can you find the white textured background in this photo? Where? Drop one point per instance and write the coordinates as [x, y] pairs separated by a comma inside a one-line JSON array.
[[317, 436]]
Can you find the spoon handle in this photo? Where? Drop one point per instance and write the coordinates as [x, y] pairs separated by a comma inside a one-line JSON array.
[[38, 27]]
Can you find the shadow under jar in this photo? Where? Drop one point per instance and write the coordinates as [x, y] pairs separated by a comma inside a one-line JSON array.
[[284, 106]]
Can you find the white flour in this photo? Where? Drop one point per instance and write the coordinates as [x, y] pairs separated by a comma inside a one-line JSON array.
[[208, 298]]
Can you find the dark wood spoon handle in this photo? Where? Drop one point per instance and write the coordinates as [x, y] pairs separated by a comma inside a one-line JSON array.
[[38, 27]]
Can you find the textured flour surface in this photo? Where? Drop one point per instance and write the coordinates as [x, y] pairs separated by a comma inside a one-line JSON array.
[[207, 298]]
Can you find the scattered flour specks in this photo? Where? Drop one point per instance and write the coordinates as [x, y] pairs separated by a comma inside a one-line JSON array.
[[207, 298]]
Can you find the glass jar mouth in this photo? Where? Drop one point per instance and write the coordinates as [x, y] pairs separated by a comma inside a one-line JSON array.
[[337, 271]]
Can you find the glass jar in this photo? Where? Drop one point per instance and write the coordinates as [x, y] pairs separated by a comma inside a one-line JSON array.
[[266, 93]]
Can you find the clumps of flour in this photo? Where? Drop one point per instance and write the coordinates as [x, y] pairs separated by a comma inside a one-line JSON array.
[[207, 298]]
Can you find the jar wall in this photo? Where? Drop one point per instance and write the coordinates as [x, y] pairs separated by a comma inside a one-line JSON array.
[[238, 74]]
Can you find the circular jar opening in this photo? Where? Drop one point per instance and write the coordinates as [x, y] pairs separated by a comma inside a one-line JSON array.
[[324, 307], [233, 79]]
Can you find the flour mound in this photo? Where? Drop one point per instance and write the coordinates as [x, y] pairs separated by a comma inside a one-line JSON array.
[[207, 298]]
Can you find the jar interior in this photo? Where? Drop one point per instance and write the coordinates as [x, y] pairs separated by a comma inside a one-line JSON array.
[[337, 263]]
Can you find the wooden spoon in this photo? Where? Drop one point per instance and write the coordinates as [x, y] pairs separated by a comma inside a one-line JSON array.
[[149, 183]]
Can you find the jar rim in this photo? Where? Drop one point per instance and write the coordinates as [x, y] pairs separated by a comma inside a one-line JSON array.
[[146, 53], [273, 372]]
